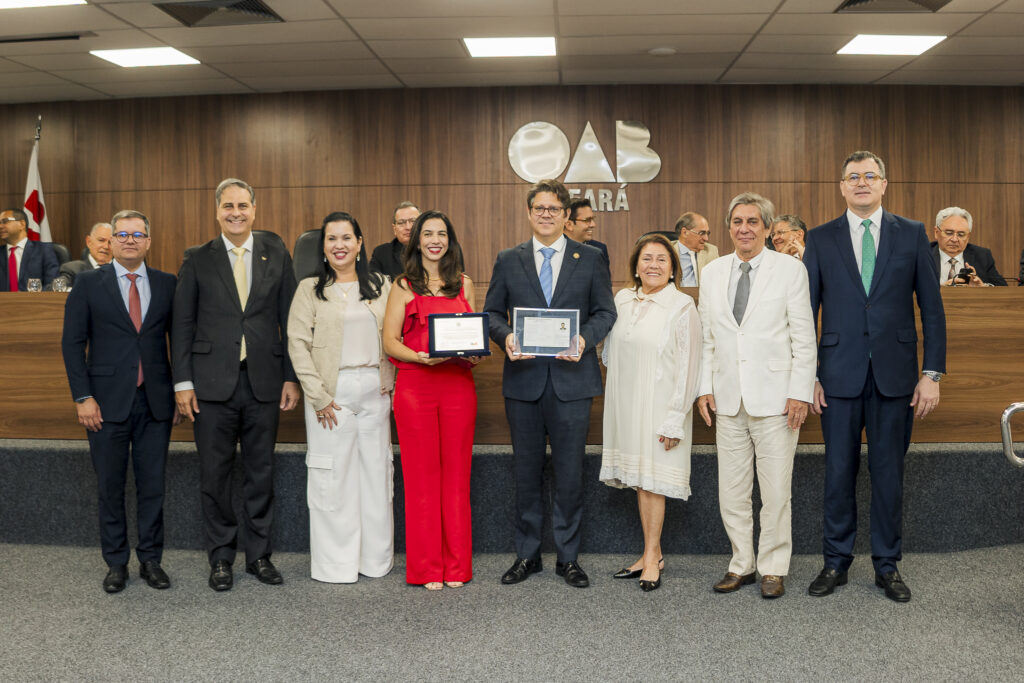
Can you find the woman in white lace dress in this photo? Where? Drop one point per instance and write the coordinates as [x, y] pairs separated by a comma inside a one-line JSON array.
[[653, 359]]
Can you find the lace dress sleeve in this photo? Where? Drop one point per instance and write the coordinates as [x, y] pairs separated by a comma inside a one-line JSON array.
[[686, 340]]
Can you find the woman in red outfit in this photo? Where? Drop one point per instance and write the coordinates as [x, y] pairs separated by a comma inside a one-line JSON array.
[[434, 407]]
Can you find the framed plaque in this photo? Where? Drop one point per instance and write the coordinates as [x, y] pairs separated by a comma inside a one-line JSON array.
[[458, 334], [546, 331]]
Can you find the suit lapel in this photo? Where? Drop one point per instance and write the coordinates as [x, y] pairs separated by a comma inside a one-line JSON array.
[[525, 252], [570, 259], [222, 264], [886, 239], [937, 257], [764, 280], [259, 269], [723, 293], [114, 294], [844, 245]]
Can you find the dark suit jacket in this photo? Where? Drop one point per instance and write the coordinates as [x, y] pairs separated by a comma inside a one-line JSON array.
[[854, 324], [979, 257], [209, 321], [38, 261], [583, 283], [102, 350], [72, 269], [600, 245], [387, 259]]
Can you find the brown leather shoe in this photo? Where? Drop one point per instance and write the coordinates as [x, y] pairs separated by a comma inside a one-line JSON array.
[[772, 587], [732, 582]]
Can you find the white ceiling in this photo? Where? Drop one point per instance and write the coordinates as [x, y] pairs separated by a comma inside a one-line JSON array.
[[335, 44]]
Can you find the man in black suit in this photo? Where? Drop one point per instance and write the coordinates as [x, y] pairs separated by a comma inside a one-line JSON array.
[[952, 252], [24, 259], [97, 244], [581, 224], [232, 375], [387, 257], [549, 395], [116, 322]]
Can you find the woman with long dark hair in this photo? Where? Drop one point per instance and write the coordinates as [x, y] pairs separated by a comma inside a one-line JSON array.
[[435, 407], [334, 340]]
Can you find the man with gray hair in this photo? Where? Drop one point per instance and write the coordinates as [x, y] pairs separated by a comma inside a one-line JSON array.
[[97, 242], [958, 262], [691, 243], [757, 376]]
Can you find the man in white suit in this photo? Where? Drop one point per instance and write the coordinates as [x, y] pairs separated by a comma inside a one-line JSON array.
[[757, 375]]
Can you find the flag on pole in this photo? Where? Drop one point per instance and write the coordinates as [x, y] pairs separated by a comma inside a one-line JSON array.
[[38, 224]]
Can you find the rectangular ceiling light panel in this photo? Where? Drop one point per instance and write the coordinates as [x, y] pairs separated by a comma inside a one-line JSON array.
[[146, 56], [511, 47], [867, 44], [22, 4]]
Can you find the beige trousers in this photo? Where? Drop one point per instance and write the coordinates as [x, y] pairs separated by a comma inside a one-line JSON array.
[[767, 444]]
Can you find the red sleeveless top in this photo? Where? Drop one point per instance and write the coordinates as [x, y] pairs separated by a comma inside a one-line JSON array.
[[415, 329]]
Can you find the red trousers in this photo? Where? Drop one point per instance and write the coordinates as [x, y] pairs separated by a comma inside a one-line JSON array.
[[435, 412]]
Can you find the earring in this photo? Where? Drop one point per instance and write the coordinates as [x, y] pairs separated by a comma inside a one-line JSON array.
[[325, 259], [357, 257]]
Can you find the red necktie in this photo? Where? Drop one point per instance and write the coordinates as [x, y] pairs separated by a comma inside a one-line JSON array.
[[12, 269], [135, 312]]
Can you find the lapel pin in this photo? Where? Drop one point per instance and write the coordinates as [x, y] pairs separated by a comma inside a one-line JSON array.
[[263, 258], [575, 254]]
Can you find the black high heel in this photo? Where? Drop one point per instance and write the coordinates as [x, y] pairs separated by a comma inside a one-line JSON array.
[[628, 573], [648, 586]]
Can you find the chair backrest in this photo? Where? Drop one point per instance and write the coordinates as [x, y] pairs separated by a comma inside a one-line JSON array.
[[63, 255], [306, 256]]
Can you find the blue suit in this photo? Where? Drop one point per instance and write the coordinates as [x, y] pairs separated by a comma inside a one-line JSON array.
[[38, 261], [102, 352], [547, 396], [868, 368]]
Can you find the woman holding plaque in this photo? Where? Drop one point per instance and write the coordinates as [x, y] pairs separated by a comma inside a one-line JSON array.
[[653, 359], [334, 342], [435, 407]]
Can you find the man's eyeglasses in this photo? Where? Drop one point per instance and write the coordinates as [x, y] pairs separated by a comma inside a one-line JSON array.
[[960, 234], [10, 220], [868, 178], [123, 236], [405, 221], [783, 232], [699, 233], [549, 210]]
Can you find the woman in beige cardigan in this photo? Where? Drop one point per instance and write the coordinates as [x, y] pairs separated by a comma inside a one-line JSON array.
[[335, 346]]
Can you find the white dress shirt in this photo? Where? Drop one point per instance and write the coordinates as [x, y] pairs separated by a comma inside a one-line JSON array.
[[556, 258], [735, 272], [857, 231], [944, 265], [142, 283]]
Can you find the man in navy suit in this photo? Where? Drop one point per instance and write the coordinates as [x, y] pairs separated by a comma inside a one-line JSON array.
[[953, 252], [116, 322], [865, 269], [23, 259], [581, 224], [549, 396]]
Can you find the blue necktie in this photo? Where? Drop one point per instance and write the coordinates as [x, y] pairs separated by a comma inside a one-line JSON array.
[[545, 273], [867, 256], [688, 279]]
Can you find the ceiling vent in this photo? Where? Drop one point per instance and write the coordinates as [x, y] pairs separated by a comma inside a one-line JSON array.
[[891, 6], [220, 12], [46, 37]]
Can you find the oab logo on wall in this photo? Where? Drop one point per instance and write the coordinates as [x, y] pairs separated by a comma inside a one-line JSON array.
[[540, 150]]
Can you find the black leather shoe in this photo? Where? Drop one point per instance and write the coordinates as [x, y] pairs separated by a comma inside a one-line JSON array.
[[826, 582], [154, 575], [265, 571], [648, 586], [628, 573], [573, 573], [116, 579], [894, 587], [221, 578], [520, 570]]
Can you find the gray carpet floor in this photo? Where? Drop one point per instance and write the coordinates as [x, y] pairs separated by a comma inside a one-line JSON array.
[[966, 622]]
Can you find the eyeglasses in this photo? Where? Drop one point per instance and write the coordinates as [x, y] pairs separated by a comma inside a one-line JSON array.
[[10, 220], [960, 234], [585, 220], [549, 210], [868, 178], [405, 221], [123, 236], [783, 232], [699, 233]]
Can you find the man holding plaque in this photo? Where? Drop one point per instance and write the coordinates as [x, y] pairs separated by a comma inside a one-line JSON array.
[[548, 391]]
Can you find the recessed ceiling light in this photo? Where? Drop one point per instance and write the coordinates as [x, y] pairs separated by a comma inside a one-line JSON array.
[[866, 44], [146, 56], [543, 46], [21, 4]]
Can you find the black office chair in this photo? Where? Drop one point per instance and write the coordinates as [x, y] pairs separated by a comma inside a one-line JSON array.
[[306, 257], [667, 234], [63, 255]]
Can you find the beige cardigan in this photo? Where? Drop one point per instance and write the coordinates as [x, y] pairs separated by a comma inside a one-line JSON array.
[[315, 332]]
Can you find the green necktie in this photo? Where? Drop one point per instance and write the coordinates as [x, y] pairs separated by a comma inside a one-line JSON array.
[[867, 256]]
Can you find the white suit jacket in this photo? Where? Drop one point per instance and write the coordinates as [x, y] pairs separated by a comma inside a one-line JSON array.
[[771, 355]]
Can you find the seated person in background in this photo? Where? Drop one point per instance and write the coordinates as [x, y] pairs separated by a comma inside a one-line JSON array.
[[22, 258], [952, 253], [788, 235], [1020, 276], [692, 235], [387, 257], [581, 224], [98, 244]]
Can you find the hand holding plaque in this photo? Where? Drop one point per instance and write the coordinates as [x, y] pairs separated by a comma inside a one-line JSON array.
[[551, 332], [458, 335]]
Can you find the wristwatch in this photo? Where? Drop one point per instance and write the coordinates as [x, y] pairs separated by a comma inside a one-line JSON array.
[[932, 375]]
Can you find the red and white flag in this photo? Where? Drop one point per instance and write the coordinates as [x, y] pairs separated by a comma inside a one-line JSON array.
[[35, 207]]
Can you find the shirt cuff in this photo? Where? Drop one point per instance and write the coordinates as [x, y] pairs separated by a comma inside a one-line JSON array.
[[184, 386]]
